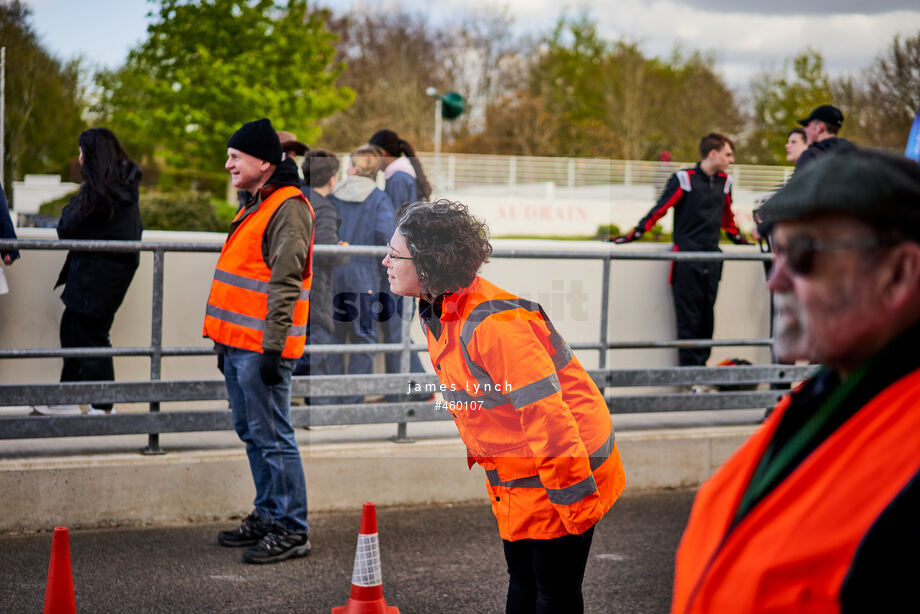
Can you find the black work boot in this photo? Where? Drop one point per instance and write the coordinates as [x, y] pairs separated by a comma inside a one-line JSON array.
[[279, 544], [250, 531]]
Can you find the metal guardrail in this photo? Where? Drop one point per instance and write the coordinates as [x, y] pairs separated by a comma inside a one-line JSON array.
[[469, 170], [155, 391]]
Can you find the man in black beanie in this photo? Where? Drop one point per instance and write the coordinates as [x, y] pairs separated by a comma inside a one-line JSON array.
[[257, 317]]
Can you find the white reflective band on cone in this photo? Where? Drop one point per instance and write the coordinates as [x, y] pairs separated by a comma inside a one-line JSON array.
[[367, 571]]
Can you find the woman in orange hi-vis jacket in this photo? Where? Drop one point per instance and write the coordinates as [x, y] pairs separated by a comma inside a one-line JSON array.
[[526, 409]]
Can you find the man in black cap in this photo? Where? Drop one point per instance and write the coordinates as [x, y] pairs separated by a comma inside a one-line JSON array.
[[256, 316], [817, 511], [821, 128]]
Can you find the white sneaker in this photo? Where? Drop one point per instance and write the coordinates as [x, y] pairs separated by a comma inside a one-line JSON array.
[[99, 412], [57, 410], [15, 410]]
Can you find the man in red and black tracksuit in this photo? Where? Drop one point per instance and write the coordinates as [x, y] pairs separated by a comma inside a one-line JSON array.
[[702, 199]]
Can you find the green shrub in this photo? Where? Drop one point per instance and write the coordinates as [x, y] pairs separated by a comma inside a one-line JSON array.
[[53, 208], [184, 211]]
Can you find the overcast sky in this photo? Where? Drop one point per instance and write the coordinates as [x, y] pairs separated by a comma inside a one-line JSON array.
[[746, 36]]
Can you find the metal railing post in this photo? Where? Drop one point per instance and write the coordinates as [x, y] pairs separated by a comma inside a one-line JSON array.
[[605, 309], [156, 343]]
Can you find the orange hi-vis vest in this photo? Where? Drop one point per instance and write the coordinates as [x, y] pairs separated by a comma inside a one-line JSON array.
[[528, 413], [238, 302], [791, 552]]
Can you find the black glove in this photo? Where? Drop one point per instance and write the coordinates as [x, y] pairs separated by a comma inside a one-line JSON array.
[[628, 238], [220, 362], [270, 367]]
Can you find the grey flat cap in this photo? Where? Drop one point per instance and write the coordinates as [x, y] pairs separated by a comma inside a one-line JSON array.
[[875, 186]]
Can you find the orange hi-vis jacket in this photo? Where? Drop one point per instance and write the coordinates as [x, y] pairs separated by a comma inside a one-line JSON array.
[[528, 413], [238, 303], [792, 551]]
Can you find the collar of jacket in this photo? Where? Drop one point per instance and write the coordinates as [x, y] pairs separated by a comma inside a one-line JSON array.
[[285, 175], [355, 189]]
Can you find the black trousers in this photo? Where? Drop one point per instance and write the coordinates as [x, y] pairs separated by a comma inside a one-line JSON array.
[[694, 286], [545, 575], [84, 330]]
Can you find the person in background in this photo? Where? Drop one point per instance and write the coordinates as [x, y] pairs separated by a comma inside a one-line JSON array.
[[795, 144], [7, 231], [702, 201], [367, 219], [821, 128], [525, 408], [319, 171], [292, 148], [817, 511], [95, 283], [405, 183], [257, 317]]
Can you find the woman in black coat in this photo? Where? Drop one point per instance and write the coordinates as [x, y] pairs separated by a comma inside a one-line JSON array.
[[95, 283]]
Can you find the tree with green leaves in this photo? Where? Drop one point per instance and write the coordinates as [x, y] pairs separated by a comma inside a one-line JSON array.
[[586, 96], [44, 101], [882, 101], [779, 100], [207, 67]]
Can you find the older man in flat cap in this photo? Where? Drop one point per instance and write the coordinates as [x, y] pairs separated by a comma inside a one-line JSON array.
[[257, 318], [818, 511]]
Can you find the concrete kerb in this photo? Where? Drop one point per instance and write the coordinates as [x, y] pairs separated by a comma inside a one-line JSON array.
[[113, 489]]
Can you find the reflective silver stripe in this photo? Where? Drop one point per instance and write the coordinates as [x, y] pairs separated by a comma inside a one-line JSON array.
[[246, 283], [492, 397], [533, 392], [574, 493], [235, 318], [532, 481], [562, 356], [598, 457], [562, 496], [248, 321], [487, 308], [297, 331]]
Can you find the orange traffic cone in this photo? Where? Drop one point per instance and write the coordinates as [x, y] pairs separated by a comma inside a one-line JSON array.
[[367, 578], [59, 597]]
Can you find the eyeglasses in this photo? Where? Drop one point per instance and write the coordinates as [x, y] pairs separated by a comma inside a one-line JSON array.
[[799, 251], [393, 256]]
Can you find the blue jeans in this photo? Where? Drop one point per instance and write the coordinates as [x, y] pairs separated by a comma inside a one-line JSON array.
[[354, 323], [262, 419]]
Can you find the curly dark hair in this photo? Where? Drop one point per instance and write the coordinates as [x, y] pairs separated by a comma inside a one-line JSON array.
[[447, 243]]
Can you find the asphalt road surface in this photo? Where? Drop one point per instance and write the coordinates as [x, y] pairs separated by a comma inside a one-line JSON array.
[[435, 559]]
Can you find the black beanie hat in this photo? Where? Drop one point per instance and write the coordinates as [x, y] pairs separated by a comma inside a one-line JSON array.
[[258, 139]]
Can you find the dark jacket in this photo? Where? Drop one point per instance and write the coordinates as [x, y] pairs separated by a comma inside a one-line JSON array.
[[702, 206], [6, 226], [367, 219], [822, 148], [402, 188], [326, 233], [96, 282]]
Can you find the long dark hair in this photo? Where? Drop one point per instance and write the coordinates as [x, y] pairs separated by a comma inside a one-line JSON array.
[[390, 142], [103, 169]]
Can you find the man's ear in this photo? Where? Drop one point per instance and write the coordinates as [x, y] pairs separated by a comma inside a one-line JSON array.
[[900, 280]]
